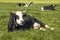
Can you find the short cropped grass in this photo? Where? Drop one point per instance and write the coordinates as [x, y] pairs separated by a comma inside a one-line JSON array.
[[51, 18]]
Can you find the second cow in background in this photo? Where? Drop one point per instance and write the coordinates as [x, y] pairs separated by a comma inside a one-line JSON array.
[[49, 7]]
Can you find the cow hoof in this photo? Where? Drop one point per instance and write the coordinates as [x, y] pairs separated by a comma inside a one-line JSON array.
[[52, 28]]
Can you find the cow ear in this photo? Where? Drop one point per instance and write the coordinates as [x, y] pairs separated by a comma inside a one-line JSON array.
[[24, 15], [12, 13]]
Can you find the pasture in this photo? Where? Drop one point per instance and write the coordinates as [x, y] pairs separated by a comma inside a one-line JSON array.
[[51, 18]]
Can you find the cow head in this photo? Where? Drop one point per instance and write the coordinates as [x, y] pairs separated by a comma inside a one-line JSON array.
[[19, 17], [53, 5]]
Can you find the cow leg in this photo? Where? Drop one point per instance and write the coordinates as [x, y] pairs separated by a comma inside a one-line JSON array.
[[46, 26]]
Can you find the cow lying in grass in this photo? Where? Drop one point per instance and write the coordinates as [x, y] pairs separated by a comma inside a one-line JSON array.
[[49, 7], [25, 5], [19, 20]]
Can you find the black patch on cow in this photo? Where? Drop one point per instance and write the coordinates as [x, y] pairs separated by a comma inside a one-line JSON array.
[[21, 4], [49, 7], [11, 23], [28, 21]]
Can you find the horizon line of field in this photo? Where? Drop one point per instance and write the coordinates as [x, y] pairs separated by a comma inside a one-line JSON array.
[[42, 2]]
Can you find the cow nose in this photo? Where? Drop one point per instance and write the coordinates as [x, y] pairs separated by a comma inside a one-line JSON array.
[[22, 22]]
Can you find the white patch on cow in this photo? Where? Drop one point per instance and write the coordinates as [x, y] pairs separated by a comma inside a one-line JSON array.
[[20, 20], [47, 26], [26, 5], [53, 5], [36, 25], [52, 28], [42, 8], [42, 29]]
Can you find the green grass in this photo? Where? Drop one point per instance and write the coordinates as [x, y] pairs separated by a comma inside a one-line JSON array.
[[35, 1], [51, 18]]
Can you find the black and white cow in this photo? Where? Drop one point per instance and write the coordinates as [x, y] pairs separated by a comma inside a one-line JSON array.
[[49, 7], [25, 5], [19, 20]]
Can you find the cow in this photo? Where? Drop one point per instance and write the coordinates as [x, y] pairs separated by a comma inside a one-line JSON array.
[[24, 4], [49, 7], [19, 20]]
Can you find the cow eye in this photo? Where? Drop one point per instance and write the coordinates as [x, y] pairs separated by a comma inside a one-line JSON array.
[[24, 15], [17, 17]]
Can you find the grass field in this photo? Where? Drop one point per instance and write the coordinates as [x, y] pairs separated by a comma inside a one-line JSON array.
[[51, 18], [35, 1]]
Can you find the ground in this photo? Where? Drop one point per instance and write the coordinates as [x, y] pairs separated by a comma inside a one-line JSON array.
[[51, 18]]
